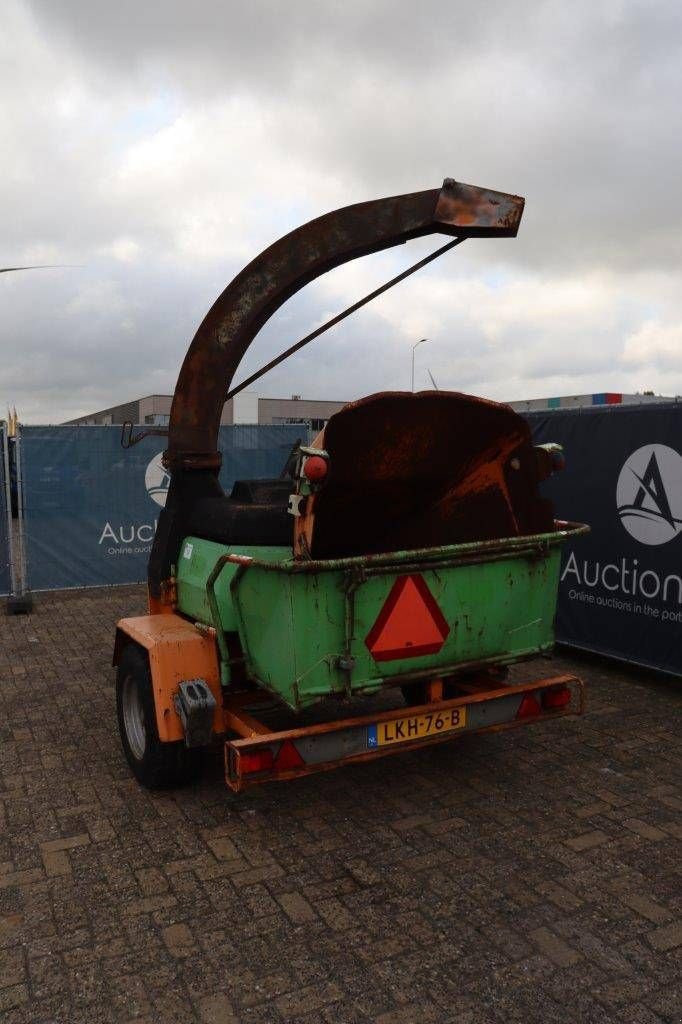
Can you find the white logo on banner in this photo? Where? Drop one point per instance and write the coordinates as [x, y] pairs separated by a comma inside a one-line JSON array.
[[649, 494], [157, 480]]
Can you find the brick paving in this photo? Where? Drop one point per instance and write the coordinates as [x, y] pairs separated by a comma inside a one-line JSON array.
[[524, 876]]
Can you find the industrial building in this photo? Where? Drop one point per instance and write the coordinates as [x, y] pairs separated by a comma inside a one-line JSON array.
[[248, 407], [585, 401]]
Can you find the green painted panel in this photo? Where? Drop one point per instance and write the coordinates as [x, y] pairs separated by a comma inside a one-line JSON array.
[[293, 625], [298, 627], [197, 558]]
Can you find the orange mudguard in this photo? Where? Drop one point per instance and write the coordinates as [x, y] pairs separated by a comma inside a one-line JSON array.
[[177, 651]]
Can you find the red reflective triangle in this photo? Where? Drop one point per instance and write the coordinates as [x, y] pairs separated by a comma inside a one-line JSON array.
[[409, 625], [288, 757]]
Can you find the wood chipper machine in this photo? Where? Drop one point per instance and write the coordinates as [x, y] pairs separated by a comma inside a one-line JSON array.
[[406, 546]]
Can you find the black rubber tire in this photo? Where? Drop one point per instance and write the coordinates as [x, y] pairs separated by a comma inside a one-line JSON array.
[[161, 765]]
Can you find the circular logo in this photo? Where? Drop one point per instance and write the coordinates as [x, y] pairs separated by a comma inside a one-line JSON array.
[[157, 480], [649, 494]]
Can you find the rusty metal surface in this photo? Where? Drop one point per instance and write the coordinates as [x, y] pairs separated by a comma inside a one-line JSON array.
[[419, 265], [259, 290], [423, 470], [493, 692], [292, 262], [129, 440], [478, 212]]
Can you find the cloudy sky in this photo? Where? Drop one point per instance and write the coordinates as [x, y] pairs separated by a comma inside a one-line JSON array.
[[159, 146]]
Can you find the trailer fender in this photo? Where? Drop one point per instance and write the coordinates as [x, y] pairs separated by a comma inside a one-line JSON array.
[[177, 651]]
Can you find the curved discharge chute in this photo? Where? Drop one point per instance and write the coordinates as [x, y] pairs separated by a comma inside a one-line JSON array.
[[458, 210]]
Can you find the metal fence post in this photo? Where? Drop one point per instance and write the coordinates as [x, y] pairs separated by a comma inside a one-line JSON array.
[[20, 601], [4, 444]]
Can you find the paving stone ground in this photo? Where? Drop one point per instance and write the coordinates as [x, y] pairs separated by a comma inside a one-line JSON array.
[[526, 876]]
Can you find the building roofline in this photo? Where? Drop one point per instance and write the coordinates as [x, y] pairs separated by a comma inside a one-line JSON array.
[[320, 401]]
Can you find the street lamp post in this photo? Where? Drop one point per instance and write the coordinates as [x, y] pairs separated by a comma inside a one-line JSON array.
[[420, 342]]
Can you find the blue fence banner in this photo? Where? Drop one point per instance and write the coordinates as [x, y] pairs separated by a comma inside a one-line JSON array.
[[92, 507], [621, 585], [5, 515]]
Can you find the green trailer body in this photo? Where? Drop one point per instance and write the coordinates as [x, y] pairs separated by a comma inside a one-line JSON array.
[[309, 630]]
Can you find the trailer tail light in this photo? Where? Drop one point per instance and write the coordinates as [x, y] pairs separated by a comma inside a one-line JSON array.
[[259, 760], [528, 707], [315, 468], [557, 697]]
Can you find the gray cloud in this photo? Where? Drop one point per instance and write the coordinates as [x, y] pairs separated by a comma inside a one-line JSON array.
[[162, 145]]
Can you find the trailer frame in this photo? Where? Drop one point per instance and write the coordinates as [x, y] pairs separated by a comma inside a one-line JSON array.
[[292, 753]]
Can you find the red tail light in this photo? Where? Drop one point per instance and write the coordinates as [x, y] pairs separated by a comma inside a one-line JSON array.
[[315, 468], [528, 707], [258, 760], [557, 697]]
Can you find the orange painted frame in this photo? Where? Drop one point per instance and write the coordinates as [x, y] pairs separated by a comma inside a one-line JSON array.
[[255, 739], [177, 651]]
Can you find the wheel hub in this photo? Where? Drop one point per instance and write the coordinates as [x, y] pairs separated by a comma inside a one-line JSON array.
[[133, 718]]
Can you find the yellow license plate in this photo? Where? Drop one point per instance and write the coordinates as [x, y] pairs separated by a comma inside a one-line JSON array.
[[416, 727]]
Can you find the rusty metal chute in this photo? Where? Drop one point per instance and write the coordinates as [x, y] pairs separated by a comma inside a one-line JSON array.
[[192, 457], [294, 261]]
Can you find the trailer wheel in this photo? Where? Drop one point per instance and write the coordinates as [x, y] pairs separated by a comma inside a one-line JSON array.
[[155, 764]]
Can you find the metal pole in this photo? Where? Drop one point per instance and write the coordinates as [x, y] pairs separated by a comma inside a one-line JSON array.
[[8, 511], [420, 342], [20, 512], [346, 312]]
